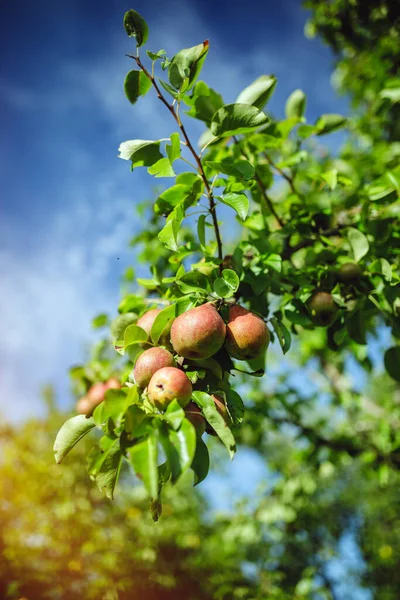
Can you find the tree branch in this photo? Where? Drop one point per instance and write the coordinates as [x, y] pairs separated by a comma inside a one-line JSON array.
[[282, 174], [196, 157]]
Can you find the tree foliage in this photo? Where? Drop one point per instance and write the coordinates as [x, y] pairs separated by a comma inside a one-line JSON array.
[[316, 258]]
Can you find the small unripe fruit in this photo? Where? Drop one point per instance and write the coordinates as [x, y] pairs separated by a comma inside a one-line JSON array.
[[349, 273], [84, 406], [96, 393], [193, 414], [322, 308], [149, 362], [198, 333], [247, 335], [221, 408], [167, 384], [146, 322]]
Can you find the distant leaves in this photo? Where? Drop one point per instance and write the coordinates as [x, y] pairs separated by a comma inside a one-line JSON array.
[[358, 242], [136, 26], [392, 362], [296, 104], [329, 123], [234, 119]]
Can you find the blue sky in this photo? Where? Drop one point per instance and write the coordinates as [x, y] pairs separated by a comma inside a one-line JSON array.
[[67, 208]]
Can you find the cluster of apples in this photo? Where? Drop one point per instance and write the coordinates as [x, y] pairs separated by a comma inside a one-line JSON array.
[[95, 395], [195, 336]]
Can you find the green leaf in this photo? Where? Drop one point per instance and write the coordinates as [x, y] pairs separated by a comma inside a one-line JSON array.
[[384, 185], [120, 323], [143, 457], [238, 201], [194, 281], [217, 422], [258, 93], [70, 434], [134, 335], [142, 153], [186, 65], [201, 462], [392, 362], [272, 261], [382, 266], [329, 123], [296, 104], [107, 468], [201, 231], [235, 406], [161, 322], [358, 242], [227, 285], [136, 84], [168, 88], [174, 150], [355, 323], [100, 321], [179, 447], [240, 168], [234, 119], [136, 26], [330, 177], [156, 55], [162, 168], [204, 102], [282, 333], [169, 234], [174, 414], [116, 403]]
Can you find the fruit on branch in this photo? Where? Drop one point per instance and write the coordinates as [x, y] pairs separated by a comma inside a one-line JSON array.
[[149, 362], [146, 322], [84, 406], [247, 335], [198, 333], [167, 384], [349, 273], [221, 408], [193, 414], [322, 308], [96, 393]]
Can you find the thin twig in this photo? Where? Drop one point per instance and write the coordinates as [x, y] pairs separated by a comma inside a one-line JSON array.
[[282, 174], [191, 149], [260, 184]]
